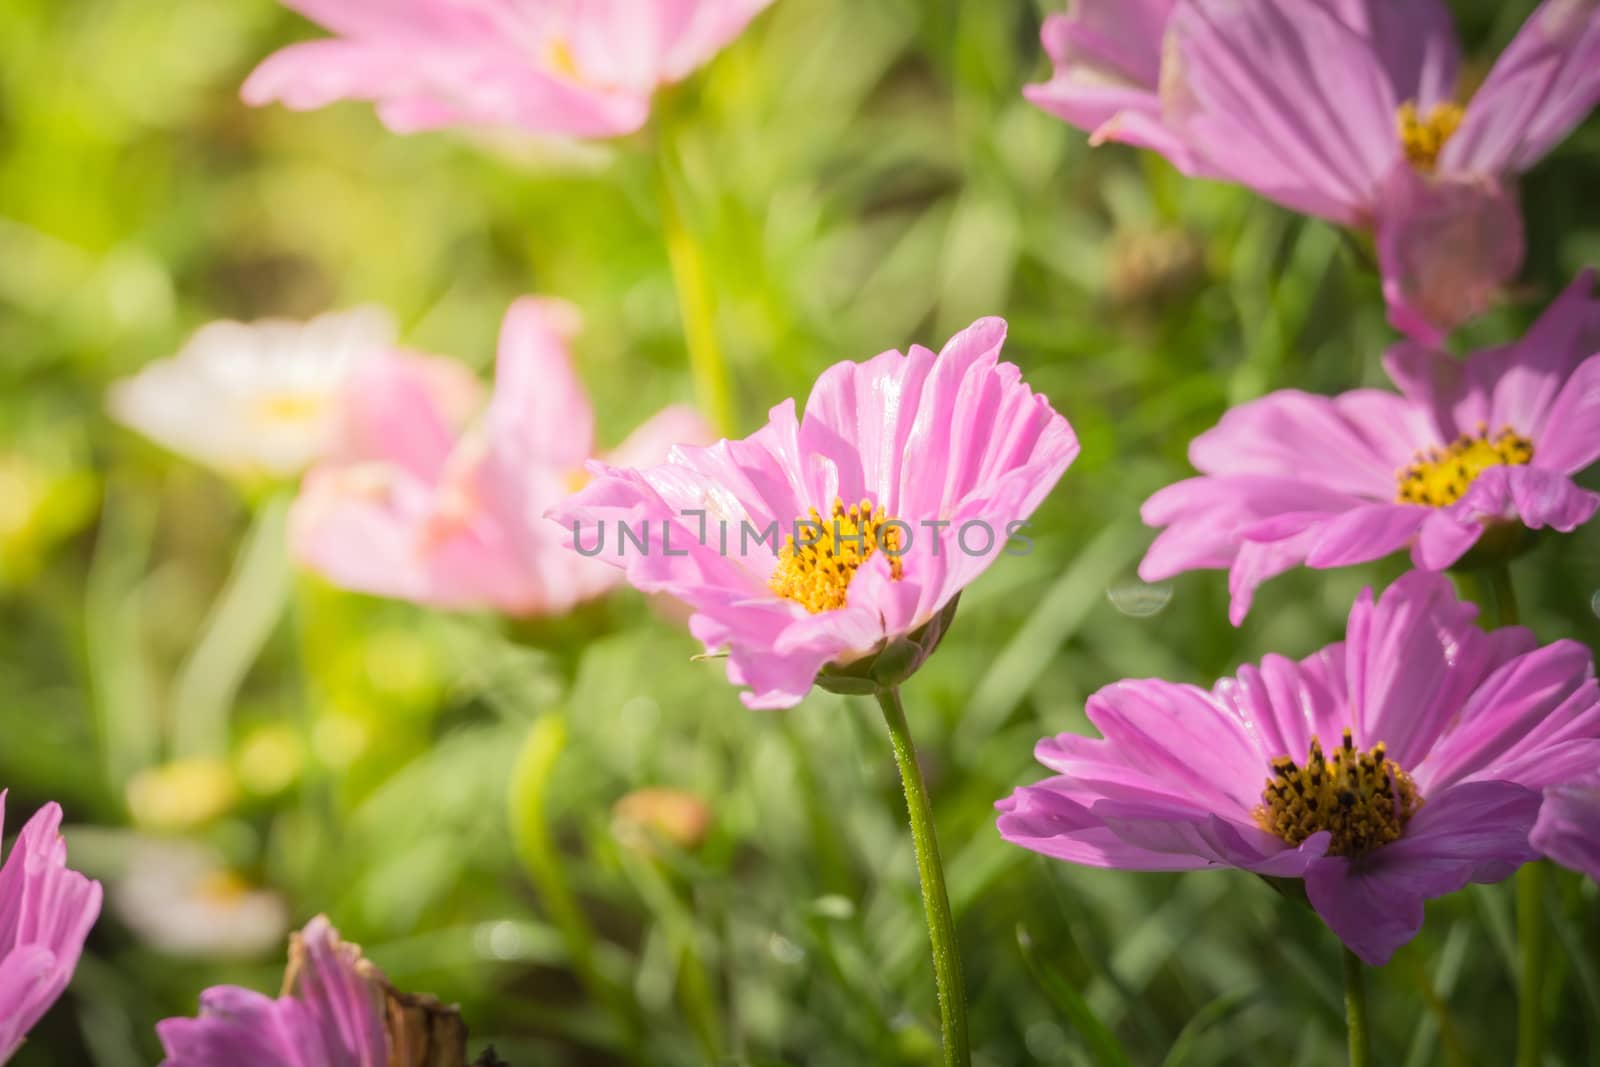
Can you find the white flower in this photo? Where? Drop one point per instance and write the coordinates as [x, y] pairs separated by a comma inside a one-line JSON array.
[[180, 899], [254, 399]]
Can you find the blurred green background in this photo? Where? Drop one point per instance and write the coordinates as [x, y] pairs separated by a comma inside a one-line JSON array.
[[862, 174]]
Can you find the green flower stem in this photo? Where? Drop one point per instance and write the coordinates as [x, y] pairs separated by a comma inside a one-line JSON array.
[[240, 624], [935, 900], [530, 834], [696, 304], [1500, 609], [1502, 597], [1355, 1010], [1530, 947]]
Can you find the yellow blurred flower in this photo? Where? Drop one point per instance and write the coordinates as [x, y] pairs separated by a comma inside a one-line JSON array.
[[269, 760], [181, 795], [339, 739], [38, 506]]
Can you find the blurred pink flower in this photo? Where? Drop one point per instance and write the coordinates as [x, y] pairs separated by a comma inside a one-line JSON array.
[[412, 509], [941, 458], [1568, 830], [577, 68], [336, 1010], [1468, 447], [1385, 770], [1350, 110], [46, 910]]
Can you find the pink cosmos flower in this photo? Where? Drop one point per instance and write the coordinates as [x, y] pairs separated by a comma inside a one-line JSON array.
[[1469, 450], [46, 911], [1568, 830], [336, 1010], [577, 68], [1350, 110], [941, 458], [1387, 769], [412, 509]]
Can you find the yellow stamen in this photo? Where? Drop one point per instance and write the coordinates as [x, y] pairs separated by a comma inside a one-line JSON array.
[[816, 573], [1440, 476], [1363, 799], [1423, 136]]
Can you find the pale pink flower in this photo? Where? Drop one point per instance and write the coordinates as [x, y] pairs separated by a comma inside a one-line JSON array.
[[578, 68], [911, 472], [1350, 110], [46, 910], [413, 509]]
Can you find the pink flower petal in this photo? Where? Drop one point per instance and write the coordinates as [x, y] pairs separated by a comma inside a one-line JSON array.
[[1542, 86], [1475, 833], [1568, 830], [1512, 386], [46, 911], [1366, 533], [1285, 98], [1517, 717], [1414, 656], [1534, 496], [1106, 56], [1415, 42], [1570, 437], [584, 70], [1445, 246]]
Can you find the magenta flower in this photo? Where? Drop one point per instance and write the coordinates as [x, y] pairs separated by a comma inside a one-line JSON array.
[[1387, 769], [1568, 830], [558, 67], [46, 910], [336, 1010], [1470, 450], [416, 511], [1350, 110], [941, 458]]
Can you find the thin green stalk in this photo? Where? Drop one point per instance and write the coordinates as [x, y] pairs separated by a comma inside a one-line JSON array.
[[1501, 610], [696, 303], [935, 899], [530, 834], [1531, 938], [1355, 1010], [240, 623], [1502, 607]]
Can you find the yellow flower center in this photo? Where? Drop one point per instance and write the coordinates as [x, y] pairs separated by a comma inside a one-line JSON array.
[[1439, 476], [1363, 799], [292, 407], [559, 60], [815, 572], [1423, 136], [222, 888]]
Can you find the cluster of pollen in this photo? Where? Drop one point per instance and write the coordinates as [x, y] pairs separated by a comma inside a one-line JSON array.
[[817, 574], [1423, 136], [1363, 799], [1439, 476]]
